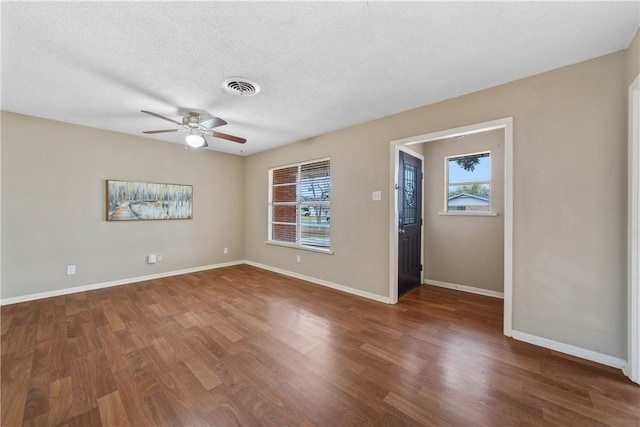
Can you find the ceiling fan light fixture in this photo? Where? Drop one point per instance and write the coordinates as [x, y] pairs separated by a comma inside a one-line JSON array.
[[194, 139]]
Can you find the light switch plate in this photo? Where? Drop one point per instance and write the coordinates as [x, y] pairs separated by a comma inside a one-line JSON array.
[[376, 196]]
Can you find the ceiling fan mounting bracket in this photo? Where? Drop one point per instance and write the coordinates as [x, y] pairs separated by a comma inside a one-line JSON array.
[[191, 120]]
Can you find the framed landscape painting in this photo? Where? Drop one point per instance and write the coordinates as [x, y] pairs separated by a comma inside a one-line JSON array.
[[135, 201]]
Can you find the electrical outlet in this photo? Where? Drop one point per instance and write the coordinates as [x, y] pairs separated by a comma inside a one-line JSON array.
[[71, 270], [152, 259], [226, 250], [297, 258]]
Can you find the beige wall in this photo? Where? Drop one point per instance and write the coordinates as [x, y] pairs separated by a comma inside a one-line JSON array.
[[361, 253], [53, 206], [464, 250], [570, 139]]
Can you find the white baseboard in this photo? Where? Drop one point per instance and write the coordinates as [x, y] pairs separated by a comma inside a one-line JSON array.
[[594, 356], [67, 291], [322, 282], [464, 288], [626, 371]]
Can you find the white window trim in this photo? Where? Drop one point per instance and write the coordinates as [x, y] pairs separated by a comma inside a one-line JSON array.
[[467, 213], [448, 212], [328, 250], [301, 247]]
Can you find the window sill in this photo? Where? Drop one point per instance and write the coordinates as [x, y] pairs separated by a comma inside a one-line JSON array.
[[302, 248], [467, 213]]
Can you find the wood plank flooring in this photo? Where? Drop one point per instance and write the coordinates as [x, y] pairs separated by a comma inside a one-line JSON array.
[[244, 346]]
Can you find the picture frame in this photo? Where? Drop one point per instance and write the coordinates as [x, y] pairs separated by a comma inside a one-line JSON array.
[[144, 201]]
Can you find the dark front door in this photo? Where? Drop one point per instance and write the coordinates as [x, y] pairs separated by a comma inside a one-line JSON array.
[[410, 224]]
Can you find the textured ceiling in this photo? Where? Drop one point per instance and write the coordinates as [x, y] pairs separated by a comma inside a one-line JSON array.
[[322, 66]]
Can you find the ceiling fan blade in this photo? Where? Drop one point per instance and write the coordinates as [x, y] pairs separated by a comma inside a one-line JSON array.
[[229, 137], [213, 123], [161, 117], [205, 145], [161, 131]]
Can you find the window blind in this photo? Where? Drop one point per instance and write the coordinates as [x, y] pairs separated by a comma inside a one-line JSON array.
[[300, 204]]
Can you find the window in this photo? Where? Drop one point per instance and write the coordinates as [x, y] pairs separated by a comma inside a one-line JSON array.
[[468, 183], [300, 206]]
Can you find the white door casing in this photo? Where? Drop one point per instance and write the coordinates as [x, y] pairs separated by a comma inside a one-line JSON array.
[[632, 369]]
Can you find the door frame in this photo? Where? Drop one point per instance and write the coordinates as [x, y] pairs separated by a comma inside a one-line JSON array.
[[632, 368], [402, 144]]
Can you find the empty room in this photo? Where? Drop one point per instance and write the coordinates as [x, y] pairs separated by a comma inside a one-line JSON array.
[[320, 213]]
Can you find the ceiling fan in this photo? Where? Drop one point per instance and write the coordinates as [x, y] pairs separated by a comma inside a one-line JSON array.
[[197, 129]]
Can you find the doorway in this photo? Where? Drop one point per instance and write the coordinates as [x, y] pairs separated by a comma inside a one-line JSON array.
[[394, 226], [410, 222]]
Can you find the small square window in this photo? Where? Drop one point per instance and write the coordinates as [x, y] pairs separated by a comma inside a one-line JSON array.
[[468, 182]]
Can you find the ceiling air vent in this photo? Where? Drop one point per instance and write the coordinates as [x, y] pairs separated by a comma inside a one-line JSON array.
[[240, 86]]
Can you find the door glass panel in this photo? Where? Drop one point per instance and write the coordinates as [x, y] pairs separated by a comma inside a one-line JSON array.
[[410, 206]]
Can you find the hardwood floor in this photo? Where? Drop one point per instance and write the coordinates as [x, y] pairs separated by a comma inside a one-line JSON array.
[[244, 346]]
